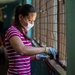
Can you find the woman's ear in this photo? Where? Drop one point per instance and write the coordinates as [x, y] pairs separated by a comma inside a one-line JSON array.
[[20, 17]]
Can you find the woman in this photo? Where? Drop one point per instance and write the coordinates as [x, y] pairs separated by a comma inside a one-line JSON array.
[[18, 45]]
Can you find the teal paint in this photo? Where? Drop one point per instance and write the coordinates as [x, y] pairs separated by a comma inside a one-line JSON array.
[[22, 2], [29, 1], [70, 36], [9, 12]]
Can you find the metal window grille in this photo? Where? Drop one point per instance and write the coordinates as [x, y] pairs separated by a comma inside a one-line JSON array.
[[49, 29], [62, 32]]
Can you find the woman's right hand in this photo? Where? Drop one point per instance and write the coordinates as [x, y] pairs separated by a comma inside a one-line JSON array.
[[51, 50]]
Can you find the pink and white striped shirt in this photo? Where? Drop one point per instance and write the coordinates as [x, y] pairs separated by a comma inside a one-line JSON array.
[[18, 65]]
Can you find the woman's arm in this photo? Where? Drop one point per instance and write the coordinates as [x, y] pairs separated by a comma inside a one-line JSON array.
[[18, 45]]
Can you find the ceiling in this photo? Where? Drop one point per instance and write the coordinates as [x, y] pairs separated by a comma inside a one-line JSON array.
[[7, 1]]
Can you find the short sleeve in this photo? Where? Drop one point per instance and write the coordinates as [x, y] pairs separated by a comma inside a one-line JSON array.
[[12, 31]]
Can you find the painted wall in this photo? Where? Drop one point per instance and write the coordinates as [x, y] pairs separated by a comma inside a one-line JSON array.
[[70, 38], [8, 11]]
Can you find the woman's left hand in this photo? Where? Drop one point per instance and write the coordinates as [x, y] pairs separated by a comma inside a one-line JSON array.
[[42, 56]]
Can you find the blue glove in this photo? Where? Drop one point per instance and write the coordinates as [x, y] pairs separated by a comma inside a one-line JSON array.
[[51, 50], [42, 56]]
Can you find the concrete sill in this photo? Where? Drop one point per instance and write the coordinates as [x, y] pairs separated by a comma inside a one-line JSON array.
[[57, 67]]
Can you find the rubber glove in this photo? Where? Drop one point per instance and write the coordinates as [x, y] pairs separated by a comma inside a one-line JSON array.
[[42, 56], [51, 50]]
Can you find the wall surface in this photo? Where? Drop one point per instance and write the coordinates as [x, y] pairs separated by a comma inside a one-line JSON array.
[[8, 11], [70, 39]]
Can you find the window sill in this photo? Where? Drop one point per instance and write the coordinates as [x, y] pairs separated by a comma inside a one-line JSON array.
[[55, 66]]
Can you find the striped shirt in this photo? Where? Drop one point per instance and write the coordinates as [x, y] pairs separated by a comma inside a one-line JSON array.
[[18, 65]]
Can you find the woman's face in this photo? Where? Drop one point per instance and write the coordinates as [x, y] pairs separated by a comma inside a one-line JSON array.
[[28, 19]]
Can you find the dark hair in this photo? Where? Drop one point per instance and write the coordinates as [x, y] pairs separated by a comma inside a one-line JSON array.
[[24, 11]]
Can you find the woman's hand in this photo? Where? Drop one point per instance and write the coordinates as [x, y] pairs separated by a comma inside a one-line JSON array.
[[51, 50], [42, 56]]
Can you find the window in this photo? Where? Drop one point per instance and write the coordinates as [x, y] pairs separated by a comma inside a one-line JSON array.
[[49, 29]]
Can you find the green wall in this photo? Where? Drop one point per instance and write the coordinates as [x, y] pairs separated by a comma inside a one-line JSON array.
[[70, 31], [9, 12], [29, 1]]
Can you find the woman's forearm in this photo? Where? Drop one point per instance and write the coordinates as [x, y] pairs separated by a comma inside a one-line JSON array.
[[28, 50]]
